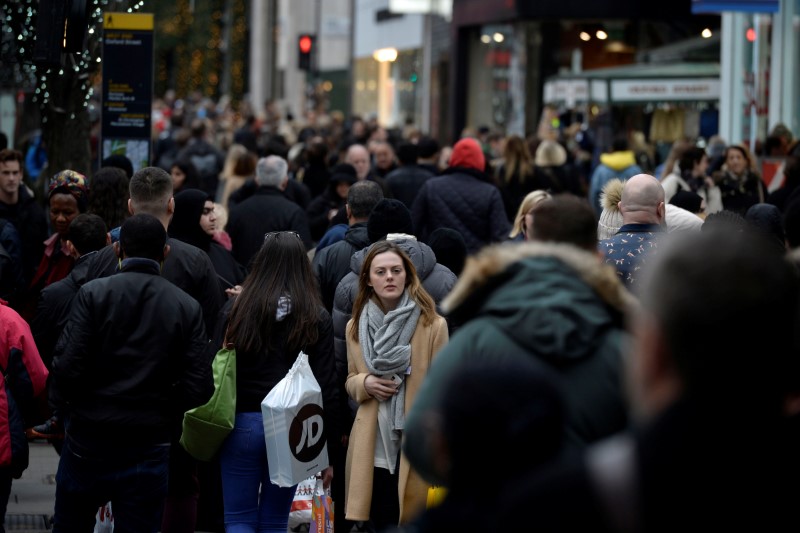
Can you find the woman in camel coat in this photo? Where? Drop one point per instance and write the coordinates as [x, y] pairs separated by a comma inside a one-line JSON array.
[[394, 333]]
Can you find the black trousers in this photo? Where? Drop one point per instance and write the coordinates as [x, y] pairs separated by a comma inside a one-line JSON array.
[[384, 512]]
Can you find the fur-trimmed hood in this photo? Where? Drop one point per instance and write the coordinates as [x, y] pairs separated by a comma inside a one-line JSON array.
[[551, 298]]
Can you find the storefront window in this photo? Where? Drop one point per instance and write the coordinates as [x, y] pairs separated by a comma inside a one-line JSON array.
[[490, 56], [390, 89]]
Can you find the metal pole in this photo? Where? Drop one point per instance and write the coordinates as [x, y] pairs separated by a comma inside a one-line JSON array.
[[427, 72]]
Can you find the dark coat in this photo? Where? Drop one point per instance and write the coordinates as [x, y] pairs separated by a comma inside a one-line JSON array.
[[31, 223], [186, 266], [128, 379], [406, 181], [318, 209], [53, 308], [267, 210], [552, 304], [464, 200], [258, 373], [332, 263]]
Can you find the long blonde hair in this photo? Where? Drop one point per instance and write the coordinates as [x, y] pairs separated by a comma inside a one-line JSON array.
[[531, 199], [415, 289]]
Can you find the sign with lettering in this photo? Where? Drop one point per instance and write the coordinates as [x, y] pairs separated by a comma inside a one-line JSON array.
[[665, 90], [127, 86]]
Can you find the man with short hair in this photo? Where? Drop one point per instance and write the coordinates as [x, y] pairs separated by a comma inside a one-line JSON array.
[[266, 211], [205, 157], [131, 360], [188, 267], [384, 156], [643, 212], [332, 263], [428, 154], [358, 156], [19, 207], [406, 181]]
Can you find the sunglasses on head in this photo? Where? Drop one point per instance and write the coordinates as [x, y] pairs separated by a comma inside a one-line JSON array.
[[276, 233]]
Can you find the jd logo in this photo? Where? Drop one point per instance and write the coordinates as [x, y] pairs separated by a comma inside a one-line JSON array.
[[305, 433]]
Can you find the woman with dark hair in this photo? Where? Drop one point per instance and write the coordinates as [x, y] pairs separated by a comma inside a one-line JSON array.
[[184, 176], [271, 321], [391, 340], [739, 183], [68, 197], [195, 222], [690, 175], [322, 209], [109, 199]]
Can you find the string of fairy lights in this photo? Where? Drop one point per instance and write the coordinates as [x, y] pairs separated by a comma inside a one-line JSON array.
[[196, 54]]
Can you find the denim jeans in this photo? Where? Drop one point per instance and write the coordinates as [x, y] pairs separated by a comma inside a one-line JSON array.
[[252, 502], [133, 479]]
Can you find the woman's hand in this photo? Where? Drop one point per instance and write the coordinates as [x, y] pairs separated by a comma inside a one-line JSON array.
[[233, 292], [379, 388], [327, 476]]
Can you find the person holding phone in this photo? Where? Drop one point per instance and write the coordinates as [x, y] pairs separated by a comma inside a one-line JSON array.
[[195, 222], [391, 340]]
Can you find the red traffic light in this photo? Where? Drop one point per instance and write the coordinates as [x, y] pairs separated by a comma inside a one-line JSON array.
[[305, 44]]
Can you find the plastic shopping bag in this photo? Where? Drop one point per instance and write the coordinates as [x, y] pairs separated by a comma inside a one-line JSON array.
[[104, 521], [293, 426], [300, 512], [321, 511]]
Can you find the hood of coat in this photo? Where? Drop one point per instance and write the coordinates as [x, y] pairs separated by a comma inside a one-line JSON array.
[[420, 253], [553, 299], [467, 153], [618, 160]]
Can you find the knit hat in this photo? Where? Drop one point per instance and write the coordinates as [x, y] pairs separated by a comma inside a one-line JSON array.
[[344, 173], [611, 217], [449, 248], [70, 182], [688, 200], [388, 216], [467, 153], [767, 221]]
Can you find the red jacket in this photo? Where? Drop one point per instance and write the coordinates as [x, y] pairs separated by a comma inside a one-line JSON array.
[[24, 377]]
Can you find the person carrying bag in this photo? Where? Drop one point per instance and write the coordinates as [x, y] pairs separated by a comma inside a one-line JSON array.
[[273, 320]]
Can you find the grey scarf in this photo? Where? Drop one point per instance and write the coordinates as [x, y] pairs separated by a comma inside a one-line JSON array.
[[386, 343]]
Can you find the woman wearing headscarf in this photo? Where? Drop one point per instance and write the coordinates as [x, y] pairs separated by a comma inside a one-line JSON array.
[[194, 222], [67, 197]]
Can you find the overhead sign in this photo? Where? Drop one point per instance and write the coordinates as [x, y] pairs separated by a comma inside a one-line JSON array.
[[741, 6], [127, 86], [665, 90], [436, 7]]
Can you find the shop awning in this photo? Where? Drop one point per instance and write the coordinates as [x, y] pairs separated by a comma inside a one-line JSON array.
[[636, 84]]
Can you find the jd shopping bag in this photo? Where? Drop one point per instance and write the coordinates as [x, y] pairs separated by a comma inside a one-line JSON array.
[[293, 426], [206, 427]]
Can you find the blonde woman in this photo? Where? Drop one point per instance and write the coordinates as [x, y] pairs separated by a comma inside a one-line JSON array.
[[391, 341], [240, 166], [523, 217]]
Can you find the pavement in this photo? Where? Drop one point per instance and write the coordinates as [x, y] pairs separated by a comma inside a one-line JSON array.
[[33, 496]]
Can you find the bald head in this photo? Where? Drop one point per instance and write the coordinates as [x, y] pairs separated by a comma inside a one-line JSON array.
[[642, 201]]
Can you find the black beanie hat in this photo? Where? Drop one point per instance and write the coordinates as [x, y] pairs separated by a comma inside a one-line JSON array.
[[388, 216], [344, 173], [449, 248], [687, 200]]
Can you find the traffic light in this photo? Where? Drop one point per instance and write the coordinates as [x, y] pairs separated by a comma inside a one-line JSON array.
[[306, 50]]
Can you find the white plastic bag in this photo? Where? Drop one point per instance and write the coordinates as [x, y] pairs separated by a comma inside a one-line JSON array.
[[294, 427], [104, 520], [300, 512]]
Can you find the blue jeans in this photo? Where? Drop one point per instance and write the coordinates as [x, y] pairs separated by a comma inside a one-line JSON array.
[[243, 460], [133, 479]]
